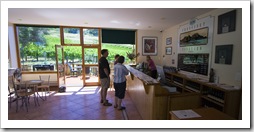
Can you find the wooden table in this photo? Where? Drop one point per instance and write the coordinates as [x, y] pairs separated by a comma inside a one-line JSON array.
[[33, 84], [205, 114]]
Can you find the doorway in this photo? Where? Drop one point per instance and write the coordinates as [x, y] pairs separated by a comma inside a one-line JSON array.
[[77, 66], [91, 66]]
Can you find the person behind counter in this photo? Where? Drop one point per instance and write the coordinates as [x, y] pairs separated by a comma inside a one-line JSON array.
[[151, 67], [120, 71]]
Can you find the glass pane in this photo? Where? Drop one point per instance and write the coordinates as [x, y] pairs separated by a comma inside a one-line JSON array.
[[91, 56], [61, 67], [73, 54], [71, 36], [37, 47], [121, 49], [91, 36], [91, 73]]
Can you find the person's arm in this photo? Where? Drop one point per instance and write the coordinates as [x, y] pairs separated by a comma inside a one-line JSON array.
[[149, 65], [106, 71]]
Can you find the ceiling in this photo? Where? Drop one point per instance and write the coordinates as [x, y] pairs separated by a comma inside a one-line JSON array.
[[122, 18]]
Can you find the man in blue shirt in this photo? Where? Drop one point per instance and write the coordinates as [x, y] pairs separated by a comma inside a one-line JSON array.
[[120, 71]]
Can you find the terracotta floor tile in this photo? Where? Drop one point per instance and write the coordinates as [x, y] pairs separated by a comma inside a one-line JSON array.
[[78, 103]]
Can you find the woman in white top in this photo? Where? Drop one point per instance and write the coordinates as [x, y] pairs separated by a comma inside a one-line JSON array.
[[120, 71]]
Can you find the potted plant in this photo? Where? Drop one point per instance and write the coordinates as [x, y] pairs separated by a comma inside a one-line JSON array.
[[132, 56]]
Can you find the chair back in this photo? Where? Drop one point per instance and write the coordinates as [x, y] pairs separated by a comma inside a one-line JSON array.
[[17, 74], [45, 79], [21, 88], [11, 84]]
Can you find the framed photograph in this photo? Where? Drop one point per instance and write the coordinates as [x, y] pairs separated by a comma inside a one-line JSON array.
[[223, 54], [168, 50], [194, 37], [149, 45], [169, 41], [227, 22]]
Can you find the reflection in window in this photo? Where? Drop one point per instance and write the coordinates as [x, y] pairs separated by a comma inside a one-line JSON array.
[[71, 36], [37, 47], [91, 36]]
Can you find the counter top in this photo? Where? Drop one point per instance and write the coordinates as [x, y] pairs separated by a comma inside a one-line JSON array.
[[202, 114], [142, 76], [204, 81]]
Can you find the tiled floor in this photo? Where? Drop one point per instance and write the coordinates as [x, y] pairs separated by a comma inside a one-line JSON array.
[[77, 103]]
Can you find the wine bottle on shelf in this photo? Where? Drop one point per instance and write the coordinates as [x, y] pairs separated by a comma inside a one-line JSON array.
[[211, 75]]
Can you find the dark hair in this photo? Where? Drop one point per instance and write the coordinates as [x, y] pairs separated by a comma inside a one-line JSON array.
[[116, 56], [120, 59], [103, 51]]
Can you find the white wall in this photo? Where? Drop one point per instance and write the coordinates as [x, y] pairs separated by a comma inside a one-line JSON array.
[[228, 74], [13, 54], [142, 33]]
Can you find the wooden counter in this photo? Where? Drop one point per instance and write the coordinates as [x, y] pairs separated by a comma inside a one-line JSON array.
[[222, 97], [150, 99], [205, 114]]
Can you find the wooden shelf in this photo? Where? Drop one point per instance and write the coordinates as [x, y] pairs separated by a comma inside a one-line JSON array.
[[212, 100], [225, 96]]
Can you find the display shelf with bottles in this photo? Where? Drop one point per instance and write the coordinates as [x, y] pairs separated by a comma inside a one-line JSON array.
[[223, 97], [192, 85], [175, 81], [214, 94]]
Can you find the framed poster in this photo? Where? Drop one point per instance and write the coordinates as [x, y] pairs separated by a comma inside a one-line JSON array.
[[227, 22], [169, 41], [194, 37], [169, 51], [149, 45], [223, 54]]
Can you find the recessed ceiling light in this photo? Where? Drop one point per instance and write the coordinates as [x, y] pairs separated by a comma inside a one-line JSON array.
[[115, 21]]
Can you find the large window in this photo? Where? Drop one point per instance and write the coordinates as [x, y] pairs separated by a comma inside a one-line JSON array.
[[121, 49], [120, 42], [37, 47], [91, 36], [71, 36]]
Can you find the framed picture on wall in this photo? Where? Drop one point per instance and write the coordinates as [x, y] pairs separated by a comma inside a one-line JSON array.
[[223, 54], [169, 41], [194, 37], [169, 51], [227, 22], [149, 45]]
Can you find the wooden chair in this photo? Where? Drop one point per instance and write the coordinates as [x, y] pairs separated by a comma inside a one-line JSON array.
[[45, 87], [11, 94], [23, 91], [72, 70]]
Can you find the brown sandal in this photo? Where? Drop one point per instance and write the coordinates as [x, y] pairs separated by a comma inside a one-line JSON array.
[[107, 104], [102, 101]]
